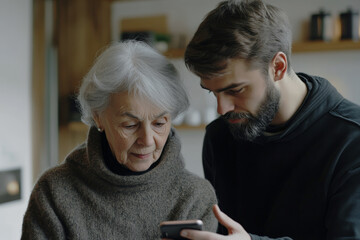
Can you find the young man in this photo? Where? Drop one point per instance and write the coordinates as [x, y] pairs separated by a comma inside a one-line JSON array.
[[284, 157]]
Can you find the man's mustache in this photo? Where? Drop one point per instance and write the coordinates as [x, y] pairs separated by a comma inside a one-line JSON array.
[[235, 115]]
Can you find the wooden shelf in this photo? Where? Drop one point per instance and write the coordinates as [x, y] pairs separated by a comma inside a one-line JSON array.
[[187, 127], [175, 53], [81, 127], [78, 127], [320, 46], [298, 47]]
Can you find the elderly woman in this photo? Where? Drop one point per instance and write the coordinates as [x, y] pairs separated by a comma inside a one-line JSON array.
[[129, 175]]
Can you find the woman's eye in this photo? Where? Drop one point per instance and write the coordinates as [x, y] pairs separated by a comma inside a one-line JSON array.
[[160, 124], [130, 126]]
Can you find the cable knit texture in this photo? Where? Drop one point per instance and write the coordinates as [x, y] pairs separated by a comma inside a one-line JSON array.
[[82, 199]]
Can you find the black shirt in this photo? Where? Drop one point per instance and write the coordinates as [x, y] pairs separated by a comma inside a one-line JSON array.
[[302, 183]]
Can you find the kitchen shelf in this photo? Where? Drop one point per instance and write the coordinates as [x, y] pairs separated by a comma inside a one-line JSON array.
[[77, 126], [188, 127], [175, 53], [298, 47], [320, 46], [81, 127]]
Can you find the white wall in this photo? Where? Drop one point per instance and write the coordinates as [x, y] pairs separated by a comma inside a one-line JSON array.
[[184, 16], [15, 106], [340, 68]]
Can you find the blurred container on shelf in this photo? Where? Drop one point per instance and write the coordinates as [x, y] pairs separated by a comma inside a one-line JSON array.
[[144, 36], [179, 119], [321, 26], [159, 41], [151, 29], [349, 25], [209, 114], [193, 117], [162, 42], [178, 41]]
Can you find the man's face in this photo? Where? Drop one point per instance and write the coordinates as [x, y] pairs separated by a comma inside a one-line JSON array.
[[246, 99]]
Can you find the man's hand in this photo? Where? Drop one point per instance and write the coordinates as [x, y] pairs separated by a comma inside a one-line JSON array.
[[235, 230]]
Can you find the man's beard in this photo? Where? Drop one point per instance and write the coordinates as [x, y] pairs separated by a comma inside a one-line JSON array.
[[254, 125]]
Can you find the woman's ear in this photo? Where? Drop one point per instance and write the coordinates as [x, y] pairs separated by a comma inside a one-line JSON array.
[[279, 65], [96, 118]]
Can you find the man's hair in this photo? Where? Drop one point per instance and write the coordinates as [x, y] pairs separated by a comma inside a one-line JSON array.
[[250, 30]]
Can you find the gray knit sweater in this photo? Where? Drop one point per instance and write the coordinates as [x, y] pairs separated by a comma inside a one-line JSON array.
[[82, 199]]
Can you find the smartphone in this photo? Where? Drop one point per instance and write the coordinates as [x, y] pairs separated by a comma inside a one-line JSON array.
[[172, 229]]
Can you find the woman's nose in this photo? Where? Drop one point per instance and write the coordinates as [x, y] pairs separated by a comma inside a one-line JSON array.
[[146, 136]]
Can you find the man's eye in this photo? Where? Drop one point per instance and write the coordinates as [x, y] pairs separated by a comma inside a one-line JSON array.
[[235, 91]]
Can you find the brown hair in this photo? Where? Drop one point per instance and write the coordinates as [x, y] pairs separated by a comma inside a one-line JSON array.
[[250, 30]]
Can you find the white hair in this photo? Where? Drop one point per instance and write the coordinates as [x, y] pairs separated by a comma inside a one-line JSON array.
[[134, 67]]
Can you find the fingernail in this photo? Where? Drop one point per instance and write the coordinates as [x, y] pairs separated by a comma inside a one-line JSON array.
[[183, 233]]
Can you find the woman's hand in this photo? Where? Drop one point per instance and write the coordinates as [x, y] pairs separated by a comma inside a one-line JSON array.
[[235, 230]]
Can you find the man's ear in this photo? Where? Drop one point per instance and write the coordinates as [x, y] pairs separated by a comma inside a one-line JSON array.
[[279, 66]]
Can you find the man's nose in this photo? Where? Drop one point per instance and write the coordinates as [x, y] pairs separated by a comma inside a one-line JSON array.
[[224, 104]]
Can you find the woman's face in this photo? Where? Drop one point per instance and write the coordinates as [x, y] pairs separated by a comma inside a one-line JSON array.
[[135, 129]]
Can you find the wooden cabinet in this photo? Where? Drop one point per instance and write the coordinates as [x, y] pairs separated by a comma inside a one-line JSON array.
[[83, 30]]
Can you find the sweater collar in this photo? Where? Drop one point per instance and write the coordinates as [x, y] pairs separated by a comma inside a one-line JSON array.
[[90, 157], [113, 165]]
